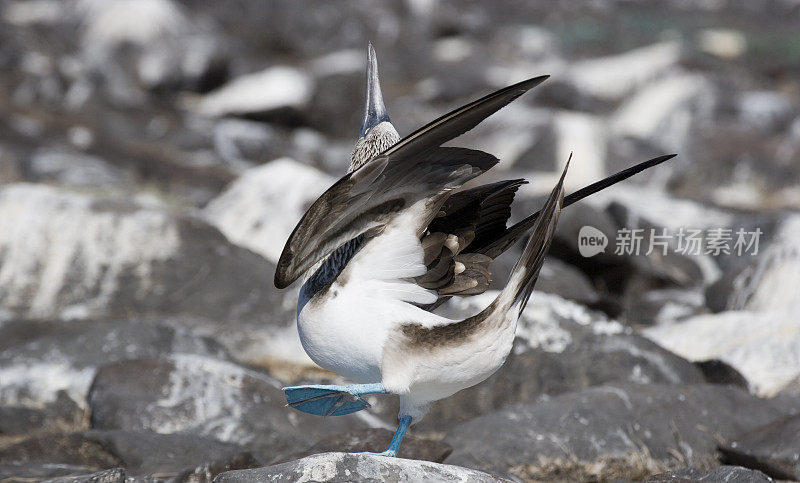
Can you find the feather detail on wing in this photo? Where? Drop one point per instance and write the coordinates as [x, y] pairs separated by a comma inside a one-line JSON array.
[[371, 197], [466, 219], [415, 168]]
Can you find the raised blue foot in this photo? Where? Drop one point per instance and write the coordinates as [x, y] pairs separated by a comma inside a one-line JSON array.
[[330, 400], [394, 446]]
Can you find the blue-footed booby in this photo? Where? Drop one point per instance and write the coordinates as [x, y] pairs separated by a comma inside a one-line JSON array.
[[394, 238]]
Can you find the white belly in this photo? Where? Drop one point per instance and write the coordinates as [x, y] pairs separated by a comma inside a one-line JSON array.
[[342, 339]]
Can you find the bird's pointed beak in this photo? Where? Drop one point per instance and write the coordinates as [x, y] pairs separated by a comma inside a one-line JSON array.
[[374, 109]]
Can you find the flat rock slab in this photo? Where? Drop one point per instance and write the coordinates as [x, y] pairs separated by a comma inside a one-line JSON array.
[[191, 394], [773, 449], [346, 467], [376, 440], [728, 474], [627, 431], [36, 471]]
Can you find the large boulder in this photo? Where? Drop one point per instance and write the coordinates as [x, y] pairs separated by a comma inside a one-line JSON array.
[[763, 346], [376, 440], [69, 255], [620, 431], [190, 394], [356, 467], [728, 474], [46, 365], [261, 208], [772, 448]]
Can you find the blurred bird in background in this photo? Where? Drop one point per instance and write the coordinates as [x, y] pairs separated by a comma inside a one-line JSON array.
[[395, 238]]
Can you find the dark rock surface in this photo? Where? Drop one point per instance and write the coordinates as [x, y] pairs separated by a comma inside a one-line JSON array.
[[720, 372], [74, 349], [113, 475], [138, 453], [728, 474], [773, 449], [71, 448], [341, 467], [25, 471], [609, 431], [189, 394]]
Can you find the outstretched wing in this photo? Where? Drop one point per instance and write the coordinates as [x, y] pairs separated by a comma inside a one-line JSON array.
[[414, 169], [470, 232]]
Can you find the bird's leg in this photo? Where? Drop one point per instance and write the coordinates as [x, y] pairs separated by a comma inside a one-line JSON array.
[[394, 445], [331, 400]]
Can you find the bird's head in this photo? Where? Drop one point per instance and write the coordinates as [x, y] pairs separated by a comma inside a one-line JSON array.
[[377, 132]]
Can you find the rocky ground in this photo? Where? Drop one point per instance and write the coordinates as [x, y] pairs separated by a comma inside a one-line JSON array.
[[155, 154]]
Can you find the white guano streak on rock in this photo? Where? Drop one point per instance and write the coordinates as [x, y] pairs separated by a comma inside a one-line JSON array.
[[261, 208], [269, 89], [775, 281], [763, 346], [36, 383], [47, 234], [213, 398], [612, 77]]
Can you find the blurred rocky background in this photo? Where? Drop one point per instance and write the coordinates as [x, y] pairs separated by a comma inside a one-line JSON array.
[[155, 154]]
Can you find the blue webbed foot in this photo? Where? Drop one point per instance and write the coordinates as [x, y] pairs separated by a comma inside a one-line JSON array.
[[330, 400]]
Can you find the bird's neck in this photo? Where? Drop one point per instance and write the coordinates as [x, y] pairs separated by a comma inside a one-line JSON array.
[[380, 138]]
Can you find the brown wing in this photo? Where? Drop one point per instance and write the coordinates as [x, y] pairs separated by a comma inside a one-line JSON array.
[[475, 244], [466, 218], [413, 169]]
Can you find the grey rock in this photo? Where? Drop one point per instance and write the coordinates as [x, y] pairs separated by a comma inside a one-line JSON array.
[[728, 474], [261, 208], [161, 46], [757, 344], [770, 281], [61, 414], [564, 280], [720, 372], [773, 449], [792, 388], [69, 448], [113, 475], [67, 255], [75, 170], [627, 431], [664, 306], [274, 89], [148, 453], [765, 109], [20, 420], [52, 363], [341, 467], [190, 394], [242, 143], [613, 77], [176, 456], [376, 440], [663, 113], [35, 471]]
